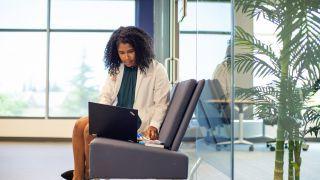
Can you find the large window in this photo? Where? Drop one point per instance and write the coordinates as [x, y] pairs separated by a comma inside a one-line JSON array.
[[51, 64]]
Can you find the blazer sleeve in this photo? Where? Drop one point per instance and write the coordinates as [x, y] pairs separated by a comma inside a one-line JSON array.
[[107, 90], [161, 96]]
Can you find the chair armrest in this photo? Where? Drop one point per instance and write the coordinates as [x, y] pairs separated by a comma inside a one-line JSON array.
[[119, 159]]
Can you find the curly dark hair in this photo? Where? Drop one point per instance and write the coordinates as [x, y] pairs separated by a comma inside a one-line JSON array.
[[138, 39]]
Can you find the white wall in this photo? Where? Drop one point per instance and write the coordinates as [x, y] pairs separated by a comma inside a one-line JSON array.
[[61, 128]]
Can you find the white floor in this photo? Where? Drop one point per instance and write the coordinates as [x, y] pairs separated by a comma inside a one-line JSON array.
[[256, 165], [47, 160]]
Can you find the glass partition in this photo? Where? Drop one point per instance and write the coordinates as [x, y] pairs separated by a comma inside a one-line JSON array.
[[271, 106], [204, 54], [266, 97]]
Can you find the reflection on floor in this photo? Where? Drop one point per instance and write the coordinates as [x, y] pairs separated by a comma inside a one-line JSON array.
[[46, 160], [205, 171], [256, 165]]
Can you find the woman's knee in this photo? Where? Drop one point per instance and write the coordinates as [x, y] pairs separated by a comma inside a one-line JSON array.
[[86, 130], [86, 134], [80, 125]]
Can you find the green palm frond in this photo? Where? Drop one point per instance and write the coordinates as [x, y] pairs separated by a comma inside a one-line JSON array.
[[312, 116], [259, 94], [303, 47], [249, 63], [268, 112], [266, 102], [247, 41], [254, 8], [316, 86], [307, 89], [313, 130]]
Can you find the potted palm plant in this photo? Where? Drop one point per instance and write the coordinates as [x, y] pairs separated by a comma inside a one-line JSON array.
[[295, 72]]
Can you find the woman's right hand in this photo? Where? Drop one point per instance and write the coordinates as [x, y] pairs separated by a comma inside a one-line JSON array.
[[151, 133]]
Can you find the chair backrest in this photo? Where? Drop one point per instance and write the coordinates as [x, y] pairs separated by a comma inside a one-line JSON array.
[[187, 116], [181, 96], [214, 114], [212, 90], [216, 89], [201, 115]]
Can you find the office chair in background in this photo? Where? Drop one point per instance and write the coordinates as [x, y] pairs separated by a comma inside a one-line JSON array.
[[214, 117]]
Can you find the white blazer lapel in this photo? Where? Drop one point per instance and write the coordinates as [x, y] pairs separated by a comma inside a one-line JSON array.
[[140, 76], [119, 79]]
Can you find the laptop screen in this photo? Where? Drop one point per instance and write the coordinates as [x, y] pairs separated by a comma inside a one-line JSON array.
[[113, 122]]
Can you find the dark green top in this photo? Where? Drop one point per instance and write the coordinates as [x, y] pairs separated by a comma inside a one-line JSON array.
[[128, 87]]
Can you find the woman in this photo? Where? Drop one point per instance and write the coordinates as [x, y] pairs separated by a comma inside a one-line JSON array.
[[135, 80]]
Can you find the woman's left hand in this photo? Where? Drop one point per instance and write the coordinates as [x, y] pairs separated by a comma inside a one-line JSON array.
[[152, 133]]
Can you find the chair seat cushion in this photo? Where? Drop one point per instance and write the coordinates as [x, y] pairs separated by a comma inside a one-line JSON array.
[[108, 159]]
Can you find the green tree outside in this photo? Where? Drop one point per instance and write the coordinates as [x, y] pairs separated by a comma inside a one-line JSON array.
[[76, 102], [10, 106]]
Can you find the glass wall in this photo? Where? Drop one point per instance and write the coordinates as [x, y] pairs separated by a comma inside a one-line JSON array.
[[51, 54], [203, 54], [265, 99]]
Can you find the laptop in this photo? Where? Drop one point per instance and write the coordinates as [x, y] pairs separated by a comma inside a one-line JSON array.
[[113, 122]]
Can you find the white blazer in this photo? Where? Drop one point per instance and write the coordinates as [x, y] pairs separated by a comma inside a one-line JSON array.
[[151, 94]]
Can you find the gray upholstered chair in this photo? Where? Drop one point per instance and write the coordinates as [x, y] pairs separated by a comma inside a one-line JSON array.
[[119, 159]]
